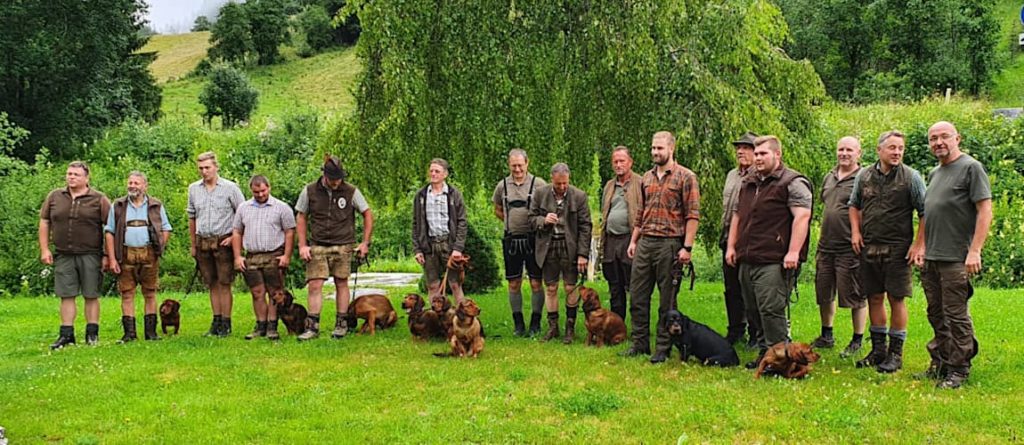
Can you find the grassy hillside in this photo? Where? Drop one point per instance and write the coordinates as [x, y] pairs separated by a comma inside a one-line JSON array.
[[177, 54]]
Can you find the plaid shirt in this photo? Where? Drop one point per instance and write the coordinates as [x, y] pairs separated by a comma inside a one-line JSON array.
[[213, 210], [263, 226], [668, 202], [437, 211]]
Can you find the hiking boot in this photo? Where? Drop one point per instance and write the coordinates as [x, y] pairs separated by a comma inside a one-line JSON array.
[[272, 330], [552, 326], [878, 351], [894, 360], [92, 334], [570, 331], [225, 327], [935, 371], [312, 329], [66, 337], [214, 327], [634, 351], [954, 380], [520, 326], [260, 330], [149, 327], [340, 327], [851, 349], [751, 343], [534, 324], [128, 324], [757, 361], [823, 342]]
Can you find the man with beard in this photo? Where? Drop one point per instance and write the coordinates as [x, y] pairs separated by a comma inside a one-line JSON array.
[[137, 231], [620, 207]]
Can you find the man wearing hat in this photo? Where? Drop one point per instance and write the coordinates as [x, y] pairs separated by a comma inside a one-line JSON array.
[[329, 206], [739, 319]]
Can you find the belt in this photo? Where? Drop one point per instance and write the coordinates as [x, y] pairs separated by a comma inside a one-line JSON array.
[[276, 252], [439, 238], [216, 237]]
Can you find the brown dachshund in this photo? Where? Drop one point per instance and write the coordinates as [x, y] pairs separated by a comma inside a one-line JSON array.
[[292, 314], [169, 315], [602, 326], [445, 312], [790, 360], [423, 325], [466, 337], [376, 309]]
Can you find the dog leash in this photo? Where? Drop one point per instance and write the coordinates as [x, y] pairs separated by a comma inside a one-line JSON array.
[[793, 296], [355, 273]]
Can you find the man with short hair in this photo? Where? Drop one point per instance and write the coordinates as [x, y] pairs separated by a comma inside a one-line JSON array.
[[439, 229], [882, 206], [73, 216], [329, 205], [212, 201], [265, 227], [620, 208], [512, 199], [740, 321], [661, 243], [837, 267], [958, 205], [137, 231], [561, 218], [768, 238]]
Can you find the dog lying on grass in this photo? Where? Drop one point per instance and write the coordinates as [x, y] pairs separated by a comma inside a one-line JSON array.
[[787, 359], [376, 309]]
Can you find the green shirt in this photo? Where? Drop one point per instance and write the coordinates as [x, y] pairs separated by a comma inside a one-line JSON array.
[[949, 208], [618, 213]]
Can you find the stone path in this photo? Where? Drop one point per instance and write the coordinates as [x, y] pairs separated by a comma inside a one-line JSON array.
[[373, 282]]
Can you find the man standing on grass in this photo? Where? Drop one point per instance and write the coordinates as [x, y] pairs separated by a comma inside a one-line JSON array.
[[329, 206], [882, 206], [137, 231], [661, 243], [73, 216], [439, 229], [512, 199], [620, 208], [561, 218], [265, 227], [958, 205], [212, 201], [740, 319], [768, 238], [837, 270]]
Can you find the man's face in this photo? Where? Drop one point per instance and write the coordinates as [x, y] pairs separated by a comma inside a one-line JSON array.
[[207, 169], [260, 192], [766, 160], [560, 183], [332, 184], [744, 156], [517, 165], [622, 164], [136, 187], [847, 153], [76, 177], [943, 140], [437, 174], [891, 151], [661, 150]]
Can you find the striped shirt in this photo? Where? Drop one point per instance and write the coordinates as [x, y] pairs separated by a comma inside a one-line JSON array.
[[437, 211], [668, 202], [213, 210], [263, 226]]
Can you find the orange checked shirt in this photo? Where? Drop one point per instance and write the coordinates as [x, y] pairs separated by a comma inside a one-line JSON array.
[[668, 202]]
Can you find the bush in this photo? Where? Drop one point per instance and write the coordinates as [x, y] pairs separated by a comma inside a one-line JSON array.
[[316, 24], [228, 94]]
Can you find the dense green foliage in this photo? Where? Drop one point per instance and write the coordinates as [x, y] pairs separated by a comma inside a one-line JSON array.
[[316, 25], [886, 50], [229, 95], [71, 69], [230, 37], [268, 22], [202, 23], [254, 28]]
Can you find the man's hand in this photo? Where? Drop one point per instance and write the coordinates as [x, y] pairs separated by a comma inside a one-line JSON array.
[[631, 250], [857, 241], [420, 259], [683, 256], [973, 262], [730, 256], [456, 255], [46, 257], [915, 256], [551, 218], [581, 264], [305, 253], [105, 264], [791, 261], [226, 242], [113, 266], [240, 264], [362, 249], [283, 261]]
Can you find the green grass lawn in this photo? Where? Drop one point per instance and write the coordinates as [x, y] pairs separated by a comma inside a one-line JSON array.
[[389, 389]]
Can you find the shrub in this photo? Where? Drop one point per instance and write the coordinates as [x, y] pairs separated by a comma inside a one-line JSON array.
[[229, 95]]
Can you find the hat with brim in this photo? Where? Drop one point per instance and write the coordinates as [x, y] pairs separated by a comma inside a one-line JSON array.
[[747, 139], [332, 169]]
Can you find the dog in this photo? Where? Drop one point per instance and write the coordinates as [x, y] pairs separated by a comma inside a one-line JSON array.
[[423, 325], [788, 359], [603, 327], [292, 314], [466, 337], [693, 338], [376, 309], [441, 305], [169, 315]]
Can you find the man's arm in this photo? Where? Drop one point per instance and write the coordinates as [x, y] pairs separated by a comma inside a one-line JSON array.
[[111, 255], [915, 256], [289, 245], [856, 239], [236, 246], [798, 232], [364, 247], [300, 230], [730, 244], [981, 226], [192, 236]]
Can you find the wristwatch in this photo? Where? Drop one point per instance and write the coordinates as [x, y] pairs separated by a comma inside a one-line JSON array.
[[688, 248]]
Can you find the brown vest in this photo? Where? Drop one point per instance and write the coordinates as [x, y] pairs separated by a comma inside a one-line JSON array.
[[332, 217], [154, 224], [765, 219], [887, 212]]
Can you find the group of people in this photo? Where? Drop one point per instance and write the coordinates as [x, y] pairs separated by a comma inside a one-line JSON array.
[[648, 223]]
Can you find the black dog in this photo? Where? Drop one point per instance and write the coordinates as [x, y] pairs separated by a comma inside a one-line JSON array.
[[695, 339]]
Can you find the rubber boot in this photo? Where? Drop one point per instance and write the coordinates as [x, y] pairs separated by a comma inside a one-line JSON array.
[[552, 326], [894, 360], [128, 323], [534, 324], [520, 326], [878, 351]]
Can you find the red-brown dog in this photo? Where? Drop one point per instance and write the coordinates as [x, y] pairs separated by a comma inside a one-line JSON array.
[[466, 337], [169, 315], [376, 309], [441, 305], [423, 325], [602, 326], [790, 360]]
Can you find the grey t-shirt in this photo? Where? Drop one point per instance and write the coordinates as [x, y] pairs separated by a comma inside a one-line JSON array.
[[618, 212], [949, 208], [517, 219]]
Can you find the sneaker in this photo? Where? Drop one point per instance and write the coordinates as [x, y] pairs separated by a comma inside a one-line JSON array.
[[851, 350], [308, 334], [823, 342]]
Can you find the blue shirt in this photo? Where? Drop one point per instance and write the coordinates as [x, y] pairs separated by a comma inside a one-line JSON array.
[[137, 236]]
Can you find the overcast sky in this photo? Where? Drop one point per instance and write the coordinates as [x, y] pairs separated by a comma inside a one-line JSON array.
[[177, 16]]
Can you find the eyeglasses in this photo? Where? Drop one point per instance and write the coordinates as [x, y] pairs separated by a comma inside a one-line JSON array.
[[944, 136]]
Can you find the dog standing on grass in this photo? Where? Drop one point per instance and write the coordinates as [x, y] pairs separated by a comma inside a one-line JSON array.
[[170, 315]]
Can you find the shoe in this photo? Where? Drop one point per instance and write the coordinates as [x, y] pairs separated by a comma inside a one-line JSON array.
[[130, 335], [66, 337], [552, 326], [214, 327], [954, 380], [519, 323], [878, 351], [570, 331], [659, 357], [634, 351], [894, 360], [757, 361], [823, 342], [734, 338], [225, 327], [92, 334], [751, 343], [935, 371], [851, 349], [272, 330], [149, 327], [312, 330], [340, 328], [260, 330]]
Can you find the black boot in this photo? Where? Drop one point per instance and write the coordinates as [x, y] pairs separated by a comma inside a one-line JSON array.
[[894, 360], [272, 330], [520, 326], [66, 337], [260, 330], [225, 327], [149, 327], [128, 323], [878, 351], [552, 326], [534, 324], [214, 327], [92, 334]]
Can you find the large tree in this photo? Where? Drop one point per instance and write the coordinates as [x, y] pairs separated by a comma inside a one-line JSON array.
[[230, 38], [268, 22], [71, 68]]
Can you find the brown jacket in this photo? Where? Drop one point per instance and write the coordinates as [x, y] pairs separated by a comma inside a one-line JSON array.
[[634, 202], [457, 225], [576, 214], [765, 220]]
